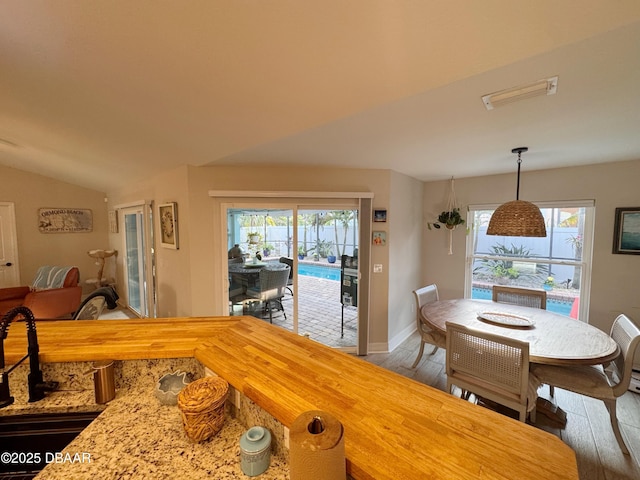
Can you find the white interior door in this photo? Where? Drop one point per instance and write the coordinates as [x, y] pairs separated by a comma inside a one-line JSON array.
[[9, 269]]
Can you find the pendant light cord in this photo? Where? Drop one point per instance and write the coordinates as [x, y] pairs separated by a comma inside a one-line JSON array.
[[519, 151], [518, 184]]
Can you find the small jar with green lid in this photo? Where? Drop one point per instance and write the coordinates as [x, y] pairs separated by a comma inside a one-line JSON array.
[[255, 451]]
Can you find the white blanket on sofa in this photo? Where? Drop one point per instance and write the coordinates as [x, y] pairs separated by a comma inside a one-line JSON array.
[[50, 277]]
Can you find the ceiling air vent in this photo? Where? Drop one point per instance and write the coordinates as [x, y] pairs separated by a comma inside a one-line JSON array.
[[546, 86]]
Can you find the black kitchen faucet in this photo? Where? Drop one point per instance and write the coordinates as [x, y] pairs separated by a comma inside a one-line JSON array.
[[37, 386]]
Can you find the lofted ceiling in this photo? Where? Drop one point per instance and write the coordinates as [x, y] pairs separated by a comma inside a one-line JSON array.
[[102, 93]]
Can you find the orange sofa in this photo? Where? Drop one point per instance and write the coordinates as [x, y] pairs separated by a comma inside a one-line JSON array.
[[48, 302]]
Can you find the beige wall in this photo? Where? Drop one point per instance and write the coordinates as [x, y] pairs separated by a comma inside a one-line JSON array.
[[173, 267], [30, 192], [205, 212], [615, 278], [189, 282], [191, 279], [405, 239]]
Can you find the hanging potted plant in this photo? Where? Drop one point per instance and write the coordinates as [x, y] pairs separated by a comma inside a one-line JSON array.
[[254, 237], [450, 219]]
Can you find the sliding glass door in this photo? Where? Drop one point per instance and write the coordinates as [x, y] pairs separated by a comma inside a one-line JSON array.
[[327, 298], [135, 260], [313, 241], [261, 239]]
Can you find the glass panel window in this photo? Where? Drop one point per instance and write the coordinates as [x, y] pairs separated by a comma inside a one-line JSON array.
[[558, 263]]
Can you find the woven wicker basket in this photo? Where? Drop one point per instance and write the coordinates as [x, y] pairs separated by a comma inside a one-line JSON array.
[[201, 405]]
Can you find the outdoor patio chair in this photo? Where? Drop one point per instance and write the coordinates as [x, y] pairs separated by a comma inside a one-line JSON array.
[[526, 297], [428, 334], [594, 380], [288, 261], [270, 289], [492, 367]]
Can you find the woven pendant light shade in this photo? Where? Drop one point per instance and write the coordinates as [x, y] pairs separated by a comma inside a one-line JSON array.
[[517, 218]]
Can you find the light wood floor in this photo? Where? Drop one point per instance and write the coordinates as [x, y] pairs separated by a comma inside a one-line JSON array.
[[588, 430]]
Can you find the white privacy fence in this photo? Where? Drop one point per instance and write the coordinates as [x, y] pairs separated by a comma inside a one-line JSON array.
[[279, 239]]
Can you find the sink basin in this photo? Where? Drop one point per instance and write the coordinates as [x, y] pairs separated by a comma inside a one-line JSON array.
[[34, 437]]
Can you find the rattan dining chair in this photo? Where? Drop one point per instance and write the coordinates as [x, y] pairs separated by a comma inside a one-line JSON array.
[[492, 367], [526, 297], [271, 288], [594, 380], [428, 334]]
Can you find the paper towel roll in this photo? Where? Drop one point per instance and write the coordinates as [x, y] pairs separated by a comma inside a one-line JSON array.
[[316, 447]]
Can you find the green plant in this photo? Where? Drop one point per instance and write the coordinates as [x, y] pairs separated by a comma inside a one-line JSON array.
[[450, 219], [503, 268], [254, 234], [502, 271], [575, 241], [550, 281], [301, 250], [324, 248]]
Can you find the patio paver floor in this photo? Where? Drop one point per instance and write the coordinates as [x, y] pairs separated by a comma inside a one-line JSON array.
[[319, 313]]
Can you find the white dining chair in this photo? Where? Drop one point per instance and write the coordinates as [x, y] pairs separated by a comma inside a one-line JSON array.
[[427, 333], [526, 297], [594, 380], [492, 367]]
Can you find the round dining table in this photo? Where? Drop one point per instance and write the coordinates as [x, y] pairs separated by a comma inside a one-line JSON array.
[[553, 339]]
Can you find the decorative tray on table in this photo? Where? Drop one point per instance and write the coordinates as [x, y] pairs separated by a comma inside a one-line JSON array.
[[506, 319]]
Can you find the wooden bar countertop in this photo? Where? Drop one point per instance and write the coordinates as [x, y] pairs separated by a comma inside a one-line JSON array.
[[395, 428]]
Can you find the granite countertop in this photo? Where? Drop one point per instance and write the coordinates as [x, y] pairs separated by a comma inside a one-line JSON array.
[[135, 436]]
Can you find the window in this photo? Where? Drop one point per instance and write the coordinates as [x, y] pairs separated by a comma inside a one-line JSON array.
[[560, 262]]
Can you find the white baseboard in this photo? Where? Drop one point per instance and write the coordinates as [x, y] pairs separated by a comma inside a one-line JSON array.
[[387, 347], [402, 336], [379, 347]]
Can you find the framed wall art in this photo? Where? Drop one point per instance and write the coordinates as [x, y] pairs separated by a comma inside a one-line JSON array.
[[626, 234], [113, 221], [379, 238], [379, 215], [168, 215]]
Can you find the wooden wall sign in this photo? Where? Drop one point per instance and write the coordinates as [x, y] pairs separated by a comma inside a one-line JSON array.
[[65, 220]]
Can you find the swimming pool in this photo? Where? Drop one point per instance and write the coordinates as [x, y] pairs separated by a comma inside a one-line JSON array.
[[553, 305], [319, 271], [333, 273]]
